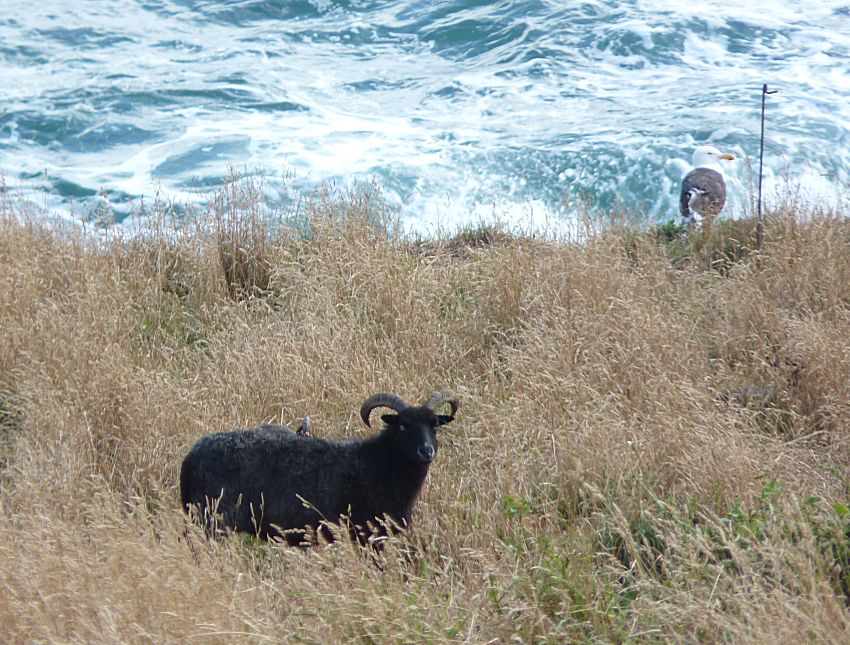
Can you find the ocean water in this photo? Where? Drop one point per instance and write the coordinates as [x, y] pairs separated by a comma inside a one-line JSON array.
[[457, 110]]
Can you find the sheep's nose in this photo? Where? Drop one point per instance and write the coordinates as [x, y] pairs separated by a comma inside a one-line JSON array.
[[425, 453]]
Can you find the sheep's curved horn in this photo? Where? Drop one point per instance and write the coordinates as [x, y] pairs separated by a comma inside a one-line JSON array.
[[443, 396], [382, 399]]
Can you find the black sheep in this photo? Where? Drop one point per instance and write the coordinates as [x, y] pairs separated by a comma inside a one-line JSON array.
[[271, 481]]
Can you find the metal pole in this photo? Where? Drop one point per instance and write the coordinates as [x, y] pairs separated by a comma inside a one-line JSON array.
[[764, 93]]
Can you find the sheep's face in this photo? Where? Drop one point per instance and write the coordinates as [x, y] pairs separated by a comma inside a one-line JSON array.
[[415, 431]]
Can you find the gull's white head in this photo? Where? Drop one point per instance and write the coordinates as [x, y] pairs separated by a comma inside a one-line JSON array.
[[710, 157]]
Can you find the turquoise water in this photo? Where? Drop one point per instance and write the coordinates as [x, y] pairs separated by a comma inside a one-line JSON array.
[[456, 110]]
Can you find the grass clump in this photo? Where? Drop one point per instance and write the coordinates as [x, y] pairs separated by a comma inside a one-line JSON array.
[[10, 423], [652, 444]]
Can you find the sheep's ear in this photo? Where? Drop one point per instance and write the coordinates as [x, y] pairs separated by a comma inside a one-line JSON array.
[[443, 419], [390, 419]]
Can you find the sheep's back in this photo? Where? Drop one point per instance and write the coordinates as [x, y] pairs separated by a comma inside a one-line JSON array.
[[270, 474]]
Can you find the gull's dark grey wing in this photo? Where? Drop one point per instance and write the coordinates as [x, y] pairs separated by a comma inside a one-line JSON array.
[[703, 194]]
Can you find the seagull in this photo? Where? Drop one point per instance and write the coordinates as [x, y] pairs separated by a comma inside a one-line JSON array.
[[704, 189]]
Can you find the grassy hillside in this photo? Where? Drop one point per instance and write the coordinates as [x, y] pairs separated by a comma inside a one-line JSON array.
[[653, 442]]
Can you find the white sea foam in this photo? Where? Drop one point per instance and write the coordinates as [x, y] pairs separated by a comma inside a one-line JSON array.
[[454, 111]]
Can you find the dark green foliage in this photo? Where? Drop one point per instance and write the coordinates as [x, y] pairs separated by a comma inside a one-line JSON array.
[[832, 532], [670, 231], [174, 322], [10, 421], [715, 247]]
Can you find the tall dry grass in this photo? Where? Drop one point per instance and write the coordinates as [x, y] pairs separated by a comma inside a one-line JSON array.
[[652, 444]]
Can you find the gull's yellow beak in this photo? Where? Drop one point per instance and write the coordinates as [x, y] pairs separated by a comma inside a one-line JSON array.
[[727, 157]]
